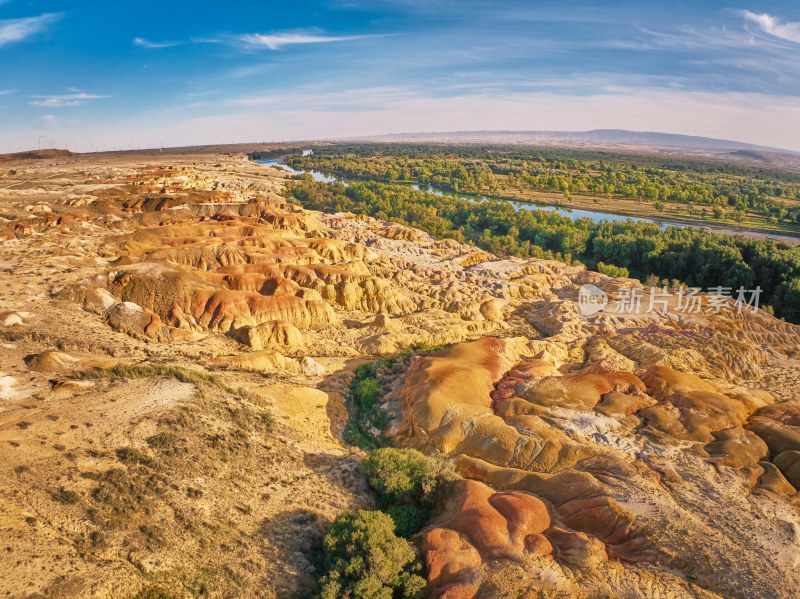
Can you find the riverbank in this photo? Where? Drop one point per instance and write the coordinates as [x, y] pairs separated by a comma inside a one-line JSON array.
[[645, 211], [592, 207]]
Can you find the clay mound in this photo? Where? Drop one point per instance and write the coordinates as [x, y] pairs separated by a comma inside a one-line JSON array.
[[778, 426], [580, 502], [695, 415], [223, 310], [456, 381], [274, 334], [154, 285], [132, 319], [267, 360], [570, 440], [452, 563], [53, 361], [737, 448], [663, 381], [580, 391], [480, 524], [695, 409]]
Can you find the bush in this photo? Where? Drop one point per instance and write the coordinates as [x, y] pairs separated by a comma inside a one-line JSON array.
[[396, 474], [366, 421], [408, 485], [364, 559], [408, 519], [131, 456], [163, 440], [366, 392], [64, 496], [611, 270]]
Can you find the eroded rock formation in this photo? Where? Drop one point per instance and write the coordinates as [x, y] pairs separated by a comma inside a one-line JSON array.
[[616, 455]]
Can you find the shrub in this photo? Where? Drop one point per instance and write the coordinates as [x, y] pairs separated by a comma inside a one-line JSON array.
[[364, 559], [652, 281], [163, 440], [64, 496], [366, 392], [611, 270], [408, 485], [396, 474], [408, 519], [131, 456]]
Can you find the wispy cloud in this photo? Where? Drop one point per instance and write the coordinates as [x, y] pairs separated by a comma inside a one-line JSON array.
[[276, 40], [685, 38], [49, 118], [143, 43], [5, 92], [773, 26], [58, 101], [16, 30], [200, 93], [355, 100]]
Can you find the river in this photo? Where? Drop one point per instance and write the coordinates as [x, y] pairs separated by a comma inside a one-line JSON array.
[[575, 213]]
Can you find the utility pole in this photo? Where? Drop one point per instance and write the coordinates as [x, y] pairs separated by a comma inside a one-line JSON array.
[[39, 142]]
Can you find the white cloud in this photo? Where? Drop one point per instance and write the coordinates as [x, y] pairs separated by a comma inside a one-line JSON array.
[[275, 41], [773, 26], [49, 118], [140, 41], [5, 92], [16, 30], [369, 98], [74, 99]]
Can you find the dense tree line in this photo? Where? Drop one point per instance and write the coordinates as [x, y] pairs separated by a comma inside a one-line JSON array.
[[275, 153], [705, 188], [693, 256]]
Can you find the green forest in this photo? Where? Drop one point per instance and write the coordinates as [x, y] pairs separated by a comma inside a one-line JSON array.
[[702, 189], [687, 255]]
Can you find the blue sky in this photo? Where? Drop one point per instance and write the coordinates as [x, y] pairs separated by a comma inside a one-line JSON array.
[[89, 74]]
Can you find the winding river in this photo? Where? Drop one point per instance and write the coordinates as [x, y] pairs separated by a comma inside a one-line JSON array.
[[576, 213]]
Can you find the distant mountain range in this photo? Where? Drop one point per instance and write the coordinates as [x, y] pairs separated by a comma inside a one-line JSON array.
[[596, 138]]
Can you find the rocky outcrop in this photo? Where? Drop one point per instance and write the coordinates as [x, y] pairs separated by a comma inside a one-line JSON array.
[[590, 447], [273, 334]]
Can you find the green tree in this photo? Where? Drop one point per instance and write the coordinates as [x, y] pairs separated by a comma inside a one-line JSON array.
[[397, 474], [364, 559], [611, 270]]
